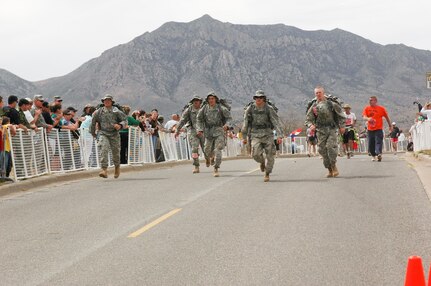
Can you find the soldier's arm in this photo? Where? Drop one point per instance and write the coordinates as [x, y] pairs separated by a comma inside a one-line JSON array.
[[227, 116], [200, 120], [185, 117], [341, 118], [310, 119], [276, 122], [122, 119], [94, 122], [246, 124]]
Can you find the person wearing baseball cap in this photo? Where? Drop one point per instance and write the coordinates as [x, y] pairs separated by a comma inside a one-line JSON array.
[[36, 112]]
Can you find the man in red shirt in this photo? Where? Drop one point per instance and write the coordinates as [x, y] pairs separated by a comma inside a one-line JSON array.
[[374, 114]]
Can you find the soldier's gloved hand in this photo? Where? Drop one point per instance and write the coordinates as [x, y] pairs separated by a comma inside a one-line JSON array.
[[200, 133], [117, 126], [225, 127]]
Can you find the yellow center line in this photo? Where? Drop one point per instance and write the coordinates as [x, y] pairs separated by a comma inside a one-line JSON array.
[[153, 223]]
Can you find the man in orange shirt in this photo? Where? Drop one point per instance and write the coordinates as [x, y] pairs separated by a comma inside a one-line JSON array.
[[374, 114]]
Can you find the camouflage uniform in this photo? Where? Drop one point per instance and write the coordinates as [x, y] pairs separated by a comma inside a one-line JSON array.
[[189, 117], [328, 117], [109, 138], [210, 121], [259, 123]]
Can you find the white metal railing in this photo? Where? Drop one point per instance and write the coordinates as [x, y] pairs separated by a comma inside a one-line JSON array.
[[36, 153], [421, 136], [28, 152]]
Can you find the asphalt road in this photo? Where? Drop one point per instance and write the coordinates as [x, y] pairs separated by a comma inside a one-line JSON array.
[[170, 227]]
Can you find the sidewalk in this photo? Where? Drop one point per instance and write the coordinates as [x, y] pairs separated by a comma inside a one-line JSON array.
[[421, 163]]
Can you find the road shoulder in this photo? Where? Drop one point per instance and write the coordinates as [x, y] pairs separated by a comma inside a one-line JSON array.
[[422, 165]]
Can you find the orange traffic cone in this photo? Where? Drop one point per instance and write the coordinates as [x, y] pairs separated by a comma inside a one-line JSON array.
[[429, 277], [415, 272]]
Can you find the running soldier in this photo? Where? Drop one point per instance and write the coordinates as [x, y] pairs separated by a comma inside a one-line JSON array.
[[326, 117], [260, 119], [189, 118], [110, 121], [212, 122]]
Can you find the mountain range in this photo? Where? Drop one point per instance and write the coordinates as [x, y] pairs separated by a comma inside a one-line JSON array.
[[163, 69]]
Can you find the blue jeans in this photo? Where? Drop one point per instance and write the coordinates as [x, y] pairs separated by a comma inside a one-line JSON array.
[[375, 142]]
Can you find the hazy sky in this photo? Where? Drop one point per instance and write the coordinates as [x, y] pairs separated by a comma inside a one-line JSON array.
[[47, 38]]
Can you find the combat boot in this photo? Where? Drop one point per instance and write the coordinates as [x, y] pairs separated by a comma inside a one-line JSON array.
[[216, 173], [117, 172], [103, 173], [266, 178], [335, 171], [262, 166], [207, 162], [196, 170], [330, 175]]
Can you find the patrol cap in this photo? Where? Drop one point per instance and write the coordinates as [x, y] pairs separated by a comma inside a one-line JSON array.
[[196, 97], [58, 98], [108, 96], [259, 93], [212, 93], [346, 106], [38, 97]]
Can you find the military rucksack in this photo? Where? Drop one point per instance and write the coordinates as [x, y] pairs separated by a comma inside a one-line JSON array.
[[222, 101], [269, 104], [331, 99]]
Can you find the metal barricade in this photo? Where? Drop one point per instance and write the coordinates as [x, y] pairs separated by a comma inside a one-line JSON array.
[[233, 147], [28, 152], [421, 136], [89, 149], [169, 146], [140, 149], [64, 151]]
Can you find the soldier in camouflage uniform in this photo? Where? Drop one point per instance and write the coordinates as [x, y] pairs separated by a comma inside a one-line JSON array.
[[326, 117], [212, 122], [260, 119], [189, 118], [110, 121]]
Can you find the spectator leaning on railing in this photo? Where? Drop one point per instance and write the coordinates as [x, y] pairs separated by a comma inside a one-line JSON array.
[[36, 112], [426, 111]]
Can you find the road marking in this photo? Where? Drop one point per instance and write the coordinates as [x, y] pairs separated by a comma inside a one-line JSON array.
[[153, 223]]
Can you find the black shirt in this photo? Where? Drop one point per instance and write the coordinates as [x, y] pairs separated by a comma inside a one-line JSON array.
[[13, 114], [48, 118]]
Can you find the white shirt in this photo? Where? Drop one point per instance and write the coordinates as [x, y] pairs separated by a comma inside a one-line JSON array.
[[28, 116], [350, 119], [171, 123], [427, 112]]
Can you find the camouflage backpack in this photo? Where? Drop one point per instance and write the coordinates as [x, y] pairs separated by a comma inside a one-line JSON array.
[[222, 101], [269, 104]]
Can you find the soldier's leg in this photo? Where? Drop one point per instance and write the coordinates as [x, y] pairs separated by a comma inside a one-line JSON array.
[[115, 143], [270, 152], [208, 150], [194, 144], [104, 151], [322, 137], [257, 150], [332, 147], [218, 148]]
